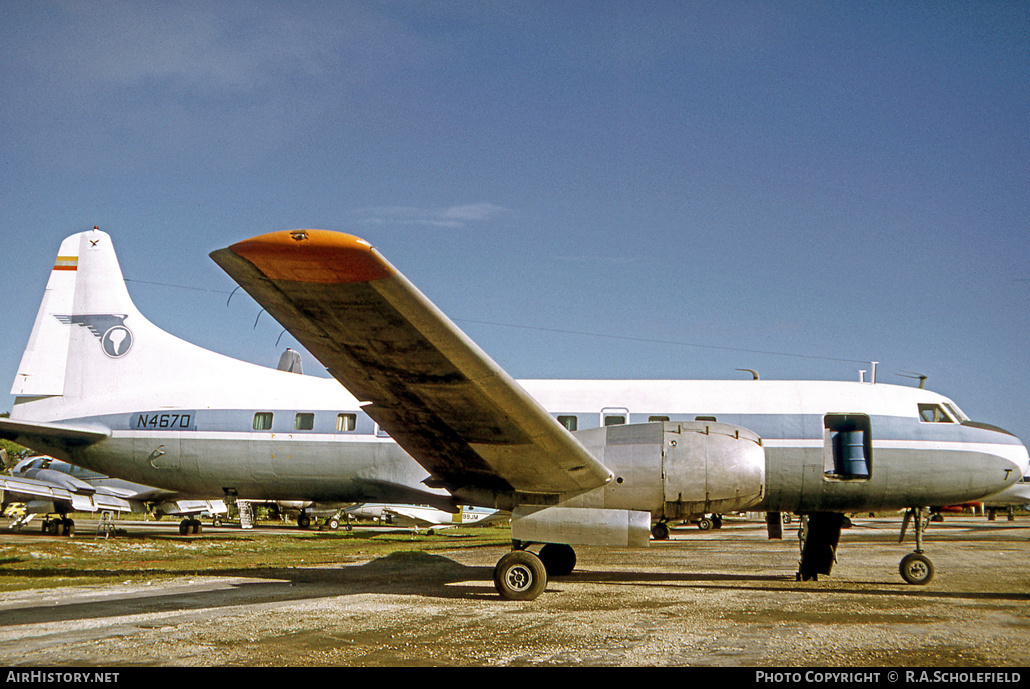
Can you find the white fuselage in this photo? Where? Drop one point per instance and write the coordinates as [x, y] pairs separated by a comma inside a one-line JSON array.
[[288, 436]]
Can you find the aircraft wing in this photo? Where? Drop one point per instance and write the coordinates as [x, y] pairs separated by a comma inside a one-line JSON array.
[[416, 517], [32, 433], [28, 489], [424, 381]]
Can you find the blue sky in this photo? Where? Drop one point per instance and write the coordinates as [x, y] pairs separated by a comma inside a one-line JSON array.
[[590, 189]]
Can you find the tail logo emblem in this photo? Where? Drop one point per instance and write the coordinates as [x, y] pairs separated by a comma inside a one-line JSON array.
[[115, 338]]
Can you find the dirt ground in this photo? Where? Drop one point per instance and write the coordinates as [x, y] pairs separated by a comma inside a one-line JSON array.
[[716, 598]]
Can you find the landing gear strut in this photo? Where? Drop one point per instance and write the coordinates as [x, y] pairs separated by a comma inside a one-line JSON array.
[[819, 533], [915, 567], [58, 526]]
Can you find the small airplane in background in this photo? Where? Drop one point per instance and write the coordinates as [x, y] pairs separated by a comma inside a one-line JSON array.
[[422, 516], [1015, 496], [53, 493], [56, 489]]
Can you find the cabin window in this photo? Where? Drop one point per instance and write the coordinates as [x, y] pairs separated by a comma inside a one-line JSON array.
[[653, 419], [570, 422], [705, 418], [263, 421], [848, 446], [933, 413], [304, 421], [346, 422], [614, 419]]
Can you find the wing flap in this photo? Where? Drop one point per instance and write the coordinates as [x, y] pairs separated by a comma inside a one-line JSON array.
[[427, 384]]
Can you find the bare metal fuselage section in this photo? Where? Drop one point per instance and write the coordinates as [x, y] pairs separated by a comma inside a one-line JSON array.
[[670, 470]]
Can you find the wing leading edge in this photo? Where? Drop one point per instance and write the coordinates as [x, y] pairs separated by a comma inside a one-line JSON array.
[[426, 383]]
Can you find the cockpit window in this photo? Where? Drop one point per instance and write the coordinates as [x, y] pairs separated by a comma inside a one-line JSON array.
[[956, 412], [934, 413]]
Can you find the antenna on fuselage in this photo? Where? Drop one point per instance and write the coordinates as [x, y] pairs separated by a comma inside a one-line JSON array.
[[753, 372], [918, 376], [290, 361]]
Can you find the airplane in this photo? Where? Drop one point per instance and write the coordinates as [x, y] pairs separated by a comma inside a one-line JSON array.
[[1017, 495], [599, 462], [49, 486], [54, 494], [422, 516], [433, 421]]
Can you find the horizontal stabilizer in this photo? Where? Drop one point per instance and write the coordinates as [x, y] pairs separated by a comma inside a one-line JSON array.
[[51, 434]]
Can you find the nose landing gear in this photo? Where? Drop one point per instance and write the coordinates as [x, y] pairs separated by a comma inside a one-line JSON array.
[[915, 567]]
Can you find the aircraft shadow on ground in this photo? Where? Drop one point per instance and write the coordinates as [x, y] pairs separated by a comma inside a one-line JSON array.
[[399, 573], [412, 573]]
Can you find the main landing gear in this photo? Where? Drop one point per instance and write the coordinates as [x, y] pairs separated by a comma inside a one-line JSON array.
[[58, 526], [522, 575], [915, 567], [190, 527]]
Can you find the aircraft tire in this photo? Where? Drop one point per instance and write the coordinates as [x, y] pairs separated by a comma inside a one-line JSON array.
[[520, 575], [660, 531], [67, 527], [916, 569], [705, 524], [196, 527], [559, 559]]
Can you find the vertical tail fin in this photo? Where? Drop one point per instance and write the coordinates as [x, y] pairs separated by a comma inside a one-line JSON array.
[[86, 310]]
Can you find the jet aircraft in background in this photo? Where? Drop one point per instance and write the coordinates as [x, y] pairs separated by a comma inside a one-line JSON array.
[[56, 489], [433, 421]]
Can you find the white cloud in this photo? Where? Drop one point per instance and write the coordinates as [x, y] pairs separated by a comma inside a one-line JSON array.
[[452, 217]]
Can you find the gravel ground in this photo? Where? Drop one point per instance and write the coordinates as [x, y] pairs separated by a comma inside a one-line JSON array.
[[719, 598]]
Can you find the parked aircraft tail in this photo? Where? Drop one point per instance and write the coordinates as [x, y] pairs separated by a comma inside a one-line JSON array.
[[89, 340]]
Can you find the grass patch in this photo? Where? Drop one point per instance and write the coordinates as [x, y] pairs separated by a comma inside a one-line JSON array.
[[29, 561]]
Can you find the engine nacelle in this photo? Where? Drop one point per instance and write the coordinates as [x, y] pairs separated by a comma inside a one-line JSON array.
[[677, 469], [667, 470], [711, 467]]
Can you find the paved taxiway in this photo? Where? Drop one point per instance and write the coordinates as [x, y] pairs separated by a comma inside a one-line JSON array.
[[726, 597]]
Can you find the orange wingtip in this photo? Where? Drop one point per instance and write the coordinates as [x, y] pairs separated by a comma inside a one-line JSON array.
[[314, 256]]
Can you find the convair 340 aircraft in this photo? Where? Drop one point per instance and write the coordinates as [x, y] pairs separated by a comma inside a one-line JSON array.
[[428, 418], [599, 462]]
